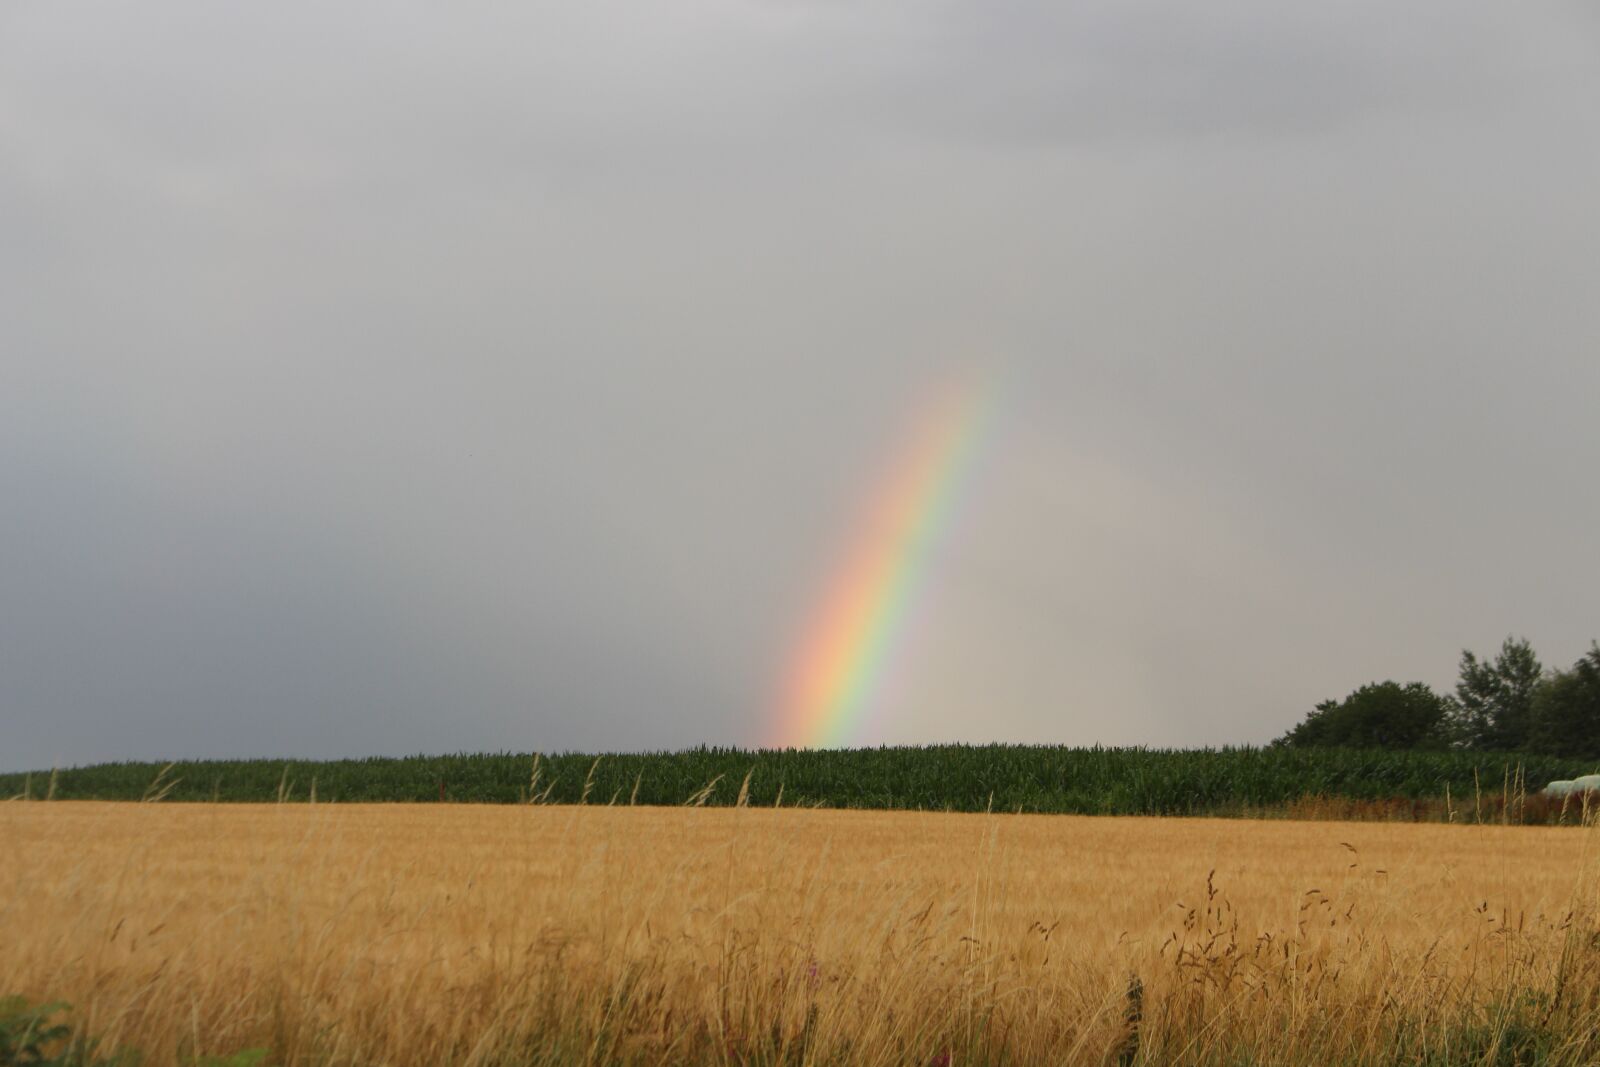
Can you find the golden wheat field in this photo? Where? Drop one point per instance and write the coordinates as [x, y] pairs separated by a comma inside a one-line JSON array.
[[456, 934]]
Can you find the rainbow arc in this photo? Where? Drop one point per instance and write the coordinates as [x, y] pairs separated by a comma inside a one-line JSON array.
[[839, 670]]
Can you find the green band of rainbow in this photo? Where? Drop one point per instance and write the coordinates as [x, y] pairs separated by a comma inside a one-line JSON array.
[[841, 665]]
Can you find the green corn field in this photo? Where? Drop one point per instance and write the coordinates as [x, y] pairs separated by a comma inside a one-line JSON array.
[[1025, 778]]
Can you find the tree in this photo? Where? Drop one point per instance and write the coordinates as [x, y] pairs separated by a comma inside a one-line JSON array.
[[1380, 715], [1496, 698], [1566, 711]]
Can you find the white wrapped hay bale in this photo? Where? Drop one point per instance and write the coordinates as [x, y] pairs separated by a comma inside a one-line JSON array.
[[1577, 787]]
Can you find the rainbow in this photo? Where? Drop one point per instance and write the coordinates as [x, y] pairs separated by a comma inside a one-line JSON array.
[[840, 666]]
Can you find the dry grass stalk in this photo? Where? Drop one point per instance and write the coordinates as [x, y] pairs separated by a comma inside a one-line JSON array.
[[699, 798], [161, 787], [588, 782]]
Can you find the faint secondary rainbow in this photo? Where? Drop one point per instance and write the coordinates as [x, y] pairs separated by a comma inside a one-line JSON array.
[[842, 663]]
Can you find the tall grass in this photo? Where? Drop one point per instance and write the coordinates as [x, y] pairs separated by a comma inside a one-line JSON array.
[[413, 936]]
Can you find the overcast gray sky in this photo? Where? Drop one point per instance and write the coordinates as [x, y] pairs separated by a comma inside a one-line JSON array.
[[395, 377]]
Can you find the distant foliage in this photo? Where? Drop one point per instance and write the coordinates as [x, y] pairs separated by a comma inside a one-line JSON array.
[[1496, 699], [1565, 717], [1507, 704], [1030, 778], [1382, 715], [1509, 719]]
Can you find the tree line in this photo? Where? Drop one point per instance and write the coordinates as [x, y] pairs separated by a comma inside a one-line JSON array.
[[1510, 703]]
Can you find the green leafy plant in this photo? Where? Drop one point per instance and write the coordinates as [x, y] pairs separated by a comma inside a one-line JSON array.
[[250, 1057], [28, 1033], [33, 1035]]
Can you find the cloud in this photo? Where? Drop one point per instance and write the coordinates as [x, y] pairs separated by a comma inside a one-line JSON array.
[[380, 379]]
